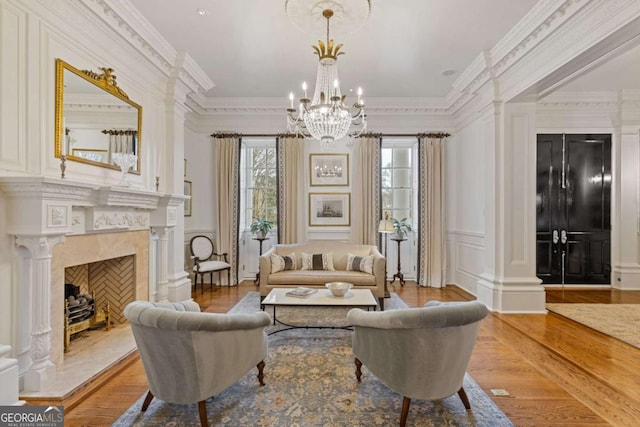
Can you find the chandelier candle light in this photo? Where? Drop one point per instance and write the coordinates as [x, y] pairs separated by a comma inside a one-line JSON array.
[[326, 118]]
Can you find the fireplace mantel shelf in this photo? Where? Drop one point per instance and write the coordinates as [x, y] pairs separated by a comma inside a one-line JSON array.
[[84, 194], [50, 206]]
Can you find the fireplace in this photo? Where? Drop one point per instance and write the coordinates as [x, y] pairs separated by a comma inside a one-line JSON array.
[[114, 267], [96, 294], [59, 223]]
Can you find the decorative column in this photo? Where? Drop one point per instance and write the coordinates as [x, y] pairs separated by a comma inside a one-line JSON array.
[[162, 263], [178, 87], [509, 283], [163, 221], [37, 282], [625, 226]]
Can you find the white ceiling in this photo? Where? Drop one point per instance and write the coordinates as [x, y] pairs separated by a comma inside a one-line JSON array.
[[250, 49]]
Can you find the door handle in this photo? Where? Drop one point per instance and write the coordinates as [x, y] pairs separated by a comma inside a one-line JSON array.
[[555, 236], [563, 236]]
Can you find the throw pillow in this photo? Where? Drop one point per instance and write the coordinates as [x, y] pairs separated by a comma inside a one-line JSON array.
[[317, 261], [282, 263], [360, 263]]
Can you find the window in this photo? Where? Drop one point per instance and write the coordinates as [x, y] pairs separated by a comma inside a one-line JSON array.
[[399, 179], [259, 183]]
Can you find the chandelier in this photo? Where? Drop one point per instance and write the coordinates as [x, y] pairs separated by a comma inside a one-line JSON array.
[[326, 117], [328, 171]]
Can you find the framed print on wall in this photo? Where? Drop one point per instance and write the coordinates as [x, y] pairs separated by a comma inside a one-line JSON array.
[[329, 169], [329, 209], [187, 203]]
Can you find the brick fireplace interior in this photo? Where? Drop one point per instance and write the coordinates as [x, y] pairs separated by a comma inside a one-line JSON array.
[[111, 280], [113, 266]]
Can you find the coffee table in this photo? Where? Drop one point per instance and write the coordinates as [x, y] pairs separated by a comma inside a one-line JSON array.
[[362, 298]]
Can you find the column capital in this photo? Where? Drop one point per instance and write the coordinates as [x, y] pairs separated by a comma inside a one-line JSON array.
[[40, 246]]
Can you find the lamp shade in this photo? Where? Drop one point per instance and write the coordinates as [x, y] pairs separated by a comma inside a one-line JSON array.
[[386, 226]]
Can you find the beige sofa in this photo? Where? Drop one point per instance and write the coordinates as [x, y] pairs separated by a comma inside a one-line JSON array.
[[318, 278]]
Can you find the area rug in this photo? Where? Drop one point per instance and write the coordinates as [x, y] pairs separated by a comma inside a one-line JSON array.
[[621, 321], [310, 381]]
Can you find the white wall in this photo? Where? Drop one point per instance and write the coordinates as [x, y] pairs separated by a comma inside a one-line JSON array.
[[32, 38], [200, 170], [82, 33], [465, 205]]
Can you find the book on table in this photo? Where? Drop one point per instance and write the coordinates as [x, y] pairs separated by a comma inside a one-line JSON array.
[[301, 292]]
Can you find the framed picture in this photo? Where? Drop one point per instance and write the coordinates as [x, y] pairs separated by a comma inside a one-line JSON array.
[[329, 209], [187, 203], [90, 154], [329, 169]]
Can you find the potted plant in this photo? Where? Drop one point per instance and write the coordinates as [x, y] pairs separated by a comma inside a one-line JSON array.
[[261, 226], [401, 227]]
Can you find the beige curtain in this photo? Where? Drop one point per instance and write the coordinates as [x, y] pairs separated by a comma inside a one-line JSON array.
[[120, 141], [291, 181], [365, 200], [432, 257], [226, 149]]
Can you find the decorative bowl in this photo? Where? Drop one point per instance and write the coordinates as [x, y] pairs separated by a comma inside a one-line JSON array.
[[339, 289]]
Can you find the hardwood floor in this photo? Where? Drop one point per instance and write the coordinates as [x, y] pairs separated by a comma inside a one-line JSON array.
[[557, 372]]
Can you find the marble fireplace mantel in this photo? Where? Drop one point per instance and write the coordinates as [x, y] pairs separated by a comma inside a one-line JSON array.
[[49, 206], [41, 212]]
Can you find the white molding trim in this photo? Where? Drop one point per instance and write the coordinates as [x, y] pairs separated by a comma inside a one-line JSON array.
[[133, 27]]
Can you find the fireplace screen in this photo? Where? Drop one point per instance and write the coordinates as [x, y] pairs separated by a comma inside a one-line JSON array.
[[80, 313]]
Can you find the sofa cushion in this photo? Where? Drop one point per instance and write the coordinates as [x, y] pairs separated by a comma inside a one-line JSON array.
[[284, 262], [360, 263], [319, 278], [317, 261], [340, 250]]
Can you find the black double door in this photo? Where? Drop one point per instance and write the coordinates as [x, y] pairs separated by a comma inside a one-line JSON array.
[[573, 204]]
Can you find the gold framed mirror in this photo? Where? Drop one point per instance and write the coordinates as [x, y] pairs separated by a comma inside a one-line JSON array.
[[95, 118]]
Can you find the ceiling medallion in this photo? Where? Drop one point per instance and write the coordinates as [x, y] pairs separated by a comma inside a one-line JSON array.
[[348, 15]]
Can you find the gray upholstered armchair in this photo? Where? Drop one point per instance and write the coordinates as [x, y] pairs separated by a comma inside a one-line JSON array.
[[189, 356], [421, 353]]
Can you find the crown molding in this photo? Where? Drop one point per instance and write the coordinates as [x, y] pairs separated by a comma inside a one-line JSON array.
[[580, 99], [543, 19], [134, 28], [268, 106]]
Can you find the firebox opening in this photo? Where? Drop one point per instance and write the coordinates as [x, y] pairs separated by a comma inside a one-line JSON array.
[[96, 295]]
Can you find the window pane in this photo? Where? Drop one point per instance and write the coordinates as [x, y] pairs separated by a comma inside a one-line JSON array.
[[386, 157], [386, 178], [271, 158], [250, 217], [402, 178], [387, 199], [403, 213], [259, 181], [402, 157], [401, 199]]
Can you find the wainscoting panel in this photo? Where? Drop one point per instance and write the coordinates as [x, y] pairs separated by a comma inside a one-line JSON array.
[[467, 259]]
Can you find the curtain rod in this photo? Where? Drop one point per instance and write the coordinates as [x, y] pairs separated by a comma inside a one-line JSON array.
[[388, 135]]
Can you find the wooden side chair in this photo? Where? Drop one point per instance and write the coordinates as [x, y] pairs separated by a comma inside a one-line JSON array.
[[206, 260]]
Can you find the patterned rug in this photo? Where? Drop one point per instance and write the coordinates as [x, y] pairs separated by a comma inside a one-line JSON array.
[[621, 321], [310, 381]]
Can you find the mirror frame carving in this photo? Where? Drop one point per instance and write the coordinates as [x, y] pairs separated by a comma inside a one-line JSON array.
[[106, 81]]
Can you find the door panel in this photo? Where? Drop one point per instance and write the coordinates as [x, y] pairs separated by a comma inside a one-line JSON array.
[[547, 207], [574, 195]]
